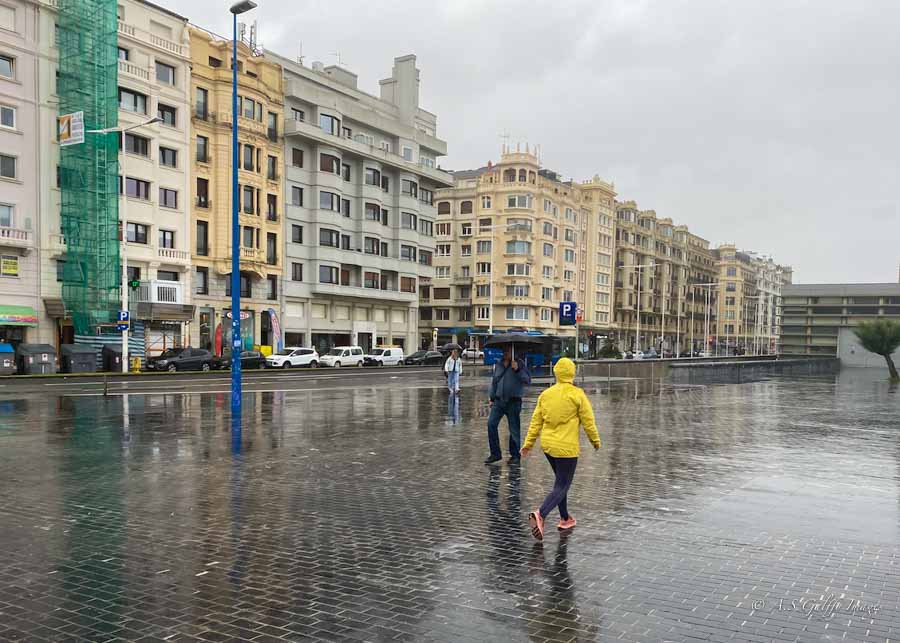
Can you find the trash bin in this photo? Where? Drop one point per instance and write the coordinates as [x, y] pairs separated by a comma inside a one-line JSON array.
[[36, 359], [112, 358], [135, 364], [7, 359], [77, 358]]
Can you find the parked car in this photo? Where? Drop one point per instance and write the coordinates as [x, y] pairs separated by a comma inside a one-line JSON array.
[[293, 357], [384, 356], [425, 358], [343, 356], [182, 359], [473, 353], [639, 355], [249, 360]]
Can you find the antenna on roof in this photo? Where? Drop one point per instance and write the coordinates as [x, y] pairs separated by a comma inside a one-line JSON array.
[[340, 60], [504, 136], [300, 55]]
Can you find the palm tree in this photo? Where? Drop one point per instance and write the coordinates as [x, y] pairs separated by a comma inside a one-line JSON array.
[[882, 337]]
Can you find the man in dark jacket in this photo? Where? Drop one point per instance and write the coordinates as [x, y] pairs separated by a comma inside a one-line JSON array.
[[508, 383]]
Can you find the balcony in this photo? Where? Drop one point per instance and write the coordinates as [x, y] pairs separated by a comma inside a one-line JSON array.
[[159, 292], [171, 254], [358, 292], [160, 43], [251, 254], [57, 245], [16, 238], [130, 69]]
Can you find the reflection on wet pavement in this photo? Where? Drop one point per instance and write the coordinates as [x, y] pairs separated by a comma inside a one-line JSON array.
[[368, 515]]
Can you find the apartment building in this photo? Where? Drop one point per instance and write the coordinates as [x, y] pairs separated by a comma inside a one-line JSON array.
[[19, 185], [665, 295], [513, 241], [360, 179], [819, 319], [261, 194], [153, 72]]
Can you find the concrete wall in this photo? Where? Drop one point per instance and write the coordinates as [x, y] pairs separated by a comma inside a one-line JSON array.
[[851, 353]]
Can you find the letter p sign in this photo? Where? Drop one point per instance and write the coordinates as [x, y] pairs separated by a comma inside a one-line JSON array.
[[567, 313]]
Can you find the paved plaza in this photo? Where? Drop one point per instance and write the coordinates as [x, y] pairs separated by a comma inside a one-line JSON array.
[[734, 512]]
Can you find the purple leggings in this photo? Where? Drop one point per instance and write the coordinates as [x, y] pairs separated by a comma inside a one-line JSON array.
[[564, 468]]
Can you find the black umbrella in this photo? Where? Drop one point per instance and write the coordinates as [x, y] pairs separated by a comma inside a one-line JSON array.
[[452, 346], [515, 340]]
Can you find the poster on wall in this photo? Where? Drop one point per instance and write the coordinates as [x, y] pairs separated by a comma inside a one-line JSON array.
[[276, 330], [9, 266]]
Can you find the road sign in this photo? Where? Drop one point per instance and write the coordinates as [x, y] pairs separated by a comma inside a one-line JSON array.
[[71, 128], [579, 316], [123, 320], [568, 311]]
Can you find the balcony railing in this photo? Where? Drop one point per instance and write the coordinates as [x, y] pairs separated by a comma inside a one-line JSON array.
[[173, 254], [203, 203], [131, 69], [16, 237], [159, 292]]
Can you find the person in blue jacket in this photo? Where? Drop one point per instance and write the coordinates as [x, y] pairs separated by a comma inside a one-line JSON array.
[[508, 382]]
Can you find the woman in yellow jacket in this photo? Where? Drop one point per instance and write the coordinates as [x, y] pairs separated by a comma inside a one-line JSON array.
[[560, 410]]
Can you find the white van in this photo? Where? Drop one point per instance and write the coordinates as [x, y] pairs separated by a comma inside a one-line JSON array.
[[343, 356], [385, 356]]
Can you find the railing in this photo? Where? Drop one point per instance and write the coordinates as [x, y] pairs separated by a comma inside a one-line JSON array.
[[204, 203], [15, 236], [131, 69], [250, 254], [168, 45], [171, 253], [157, 41], [159, 292]]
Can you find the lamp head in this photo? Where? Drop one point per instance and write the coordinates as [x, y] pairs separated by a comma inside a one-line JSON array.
[[243, 6]]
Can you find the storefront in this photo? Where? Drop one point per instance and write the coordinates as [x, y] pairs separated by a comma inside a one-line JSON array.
[[15, 322]]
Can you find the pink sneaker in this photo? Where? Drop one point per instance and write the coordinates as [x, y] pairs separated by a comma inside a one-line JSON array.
[[537, 524], [569, 523]]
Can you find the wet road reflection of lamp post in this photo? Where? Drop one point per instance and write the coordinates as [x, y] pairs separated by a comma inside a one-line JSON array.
[[236, 9], [120, 131], [637, 328]]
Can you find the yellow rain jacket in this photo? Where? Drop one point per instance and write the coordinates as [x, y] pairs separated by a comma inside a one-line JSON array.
[[560, 410]]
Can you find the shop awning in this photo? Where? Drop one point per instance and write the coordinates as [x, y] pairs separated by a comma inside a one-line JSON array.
[[18, 316]]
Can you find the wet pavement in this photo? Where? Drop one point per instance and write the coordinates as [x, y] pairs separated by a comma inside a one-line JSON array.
[[752, 512]]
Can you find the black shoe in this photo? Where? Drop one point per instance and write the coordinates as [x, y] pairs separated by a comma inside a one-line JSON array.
[[514, 460], [493, 460]]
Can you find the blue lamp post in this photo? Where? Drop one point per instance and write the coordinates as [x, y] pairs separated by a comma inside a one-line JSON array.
[[236, 345]]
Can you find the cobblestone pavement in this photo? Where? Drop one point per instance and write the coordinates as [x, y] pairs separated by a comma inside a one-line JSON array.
[[753, 512]]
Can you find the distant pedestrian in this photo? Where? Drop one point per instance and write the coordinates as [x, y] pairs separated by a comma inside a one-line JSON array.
[[453, 370], [560, 410], [508, 382]]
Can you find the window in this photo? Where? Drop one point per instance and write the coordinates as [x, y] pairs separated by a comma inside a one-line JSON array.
[[167, 275], [296, 157], [483, 268], [272, 289], [122, 53], [548, 249], [518, 201], [168, 198], [517, 313], [345, 242], [730, 287], [248, 197], [165, 73], [602, 279], [213, 62], [296, 272], [272, 127], [603, 259], [443, 250], [485, 203], [166, 238], [296, 196], [407, 284], [732, 271], [408, 253], [7, 116], [345, 171], [386, 183], [167, 114], [272, 207], [203, 149], [443, 229], [465, 271], [517, 291], [442, 314], [548, 272], [410, 188], [426, 228], [298, 115], [6, 216], [465, 230], [384, 249], [371, 246], [202, 238], [465, 207], [245, 286], [547, 294], [407, 154], [7, 67], [546, 315], [297, 234], [135, 144], [346, 132], [168, 157], [483, 290], [134, 273], [465, 250], [426, 196], [329, 201], [373, 212], [133, 187], [518, 247], [249, 236], [345, 207], [201, 103], [408, 220], [443, 207], [729, 301], [248, 106], [571, 236], [331, 238], [329, 163], [328, 275], [483, 247], [519, 224], [201, 282], [272, 168], [137, 233], [249, 154], [131, 101], [442, 272], [373, 177], [329, 124], [483, 313], [518, 269], [570, 255]]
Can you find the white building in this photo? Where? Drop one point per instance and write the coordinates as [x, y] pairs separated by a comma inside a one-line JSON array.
[[359, 187]]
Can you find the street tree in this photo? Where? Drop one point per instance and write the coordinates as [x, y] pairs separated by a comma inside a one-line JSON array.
[[882, 337]]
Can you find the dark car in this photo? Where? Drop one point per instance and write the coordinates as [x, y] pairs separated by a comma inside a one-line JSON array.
[[249, 359], [182, 359], [425, 358]]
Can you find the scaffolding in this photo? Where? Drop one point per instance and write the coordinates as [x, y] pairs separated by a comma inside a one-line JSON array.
[[89, 183]]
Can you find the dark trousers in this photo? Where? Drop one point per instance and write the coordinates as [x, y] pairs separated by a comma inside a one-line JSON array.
[[564, 468], [512, 409]]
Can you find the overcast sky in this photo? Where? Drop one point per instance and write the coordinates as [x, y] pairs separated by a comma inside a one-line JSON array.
[[771, 124]]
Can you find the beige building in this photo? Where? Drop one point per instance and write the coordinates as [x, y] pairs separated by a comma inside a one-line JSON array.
[[663, 298], [261, 217], [512, 242]]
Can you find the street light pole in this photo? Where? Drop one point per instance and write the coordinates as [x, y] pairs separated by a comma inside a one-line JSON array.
[[120, 131], [637, 327], [236, 344]]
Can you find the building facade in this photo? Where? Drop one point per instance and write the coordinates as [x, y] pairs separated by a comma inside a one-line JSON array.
[[360, 179], [513, 241], [19, 183], [261, 194], [818, 319]]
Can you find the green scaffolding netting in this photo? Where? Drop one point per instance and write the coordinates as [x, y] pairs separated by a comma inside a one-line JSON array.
[[88, 74]]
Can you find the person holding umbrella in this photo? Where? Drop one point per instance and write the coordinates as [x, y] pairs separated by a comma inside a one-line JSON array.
[[452, 371], [508, 382]]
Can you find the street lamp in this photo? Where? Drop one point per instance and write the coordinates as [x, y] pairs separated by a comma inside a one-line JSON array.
[[708, 287], [637, 328], [120, 131], [236, 9]]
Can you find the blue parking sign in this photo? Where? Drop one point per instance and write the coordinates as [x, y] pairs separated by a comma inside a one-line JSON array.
[[568, 311]]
